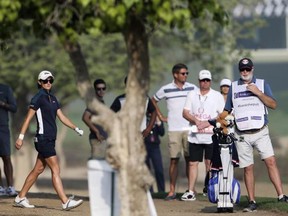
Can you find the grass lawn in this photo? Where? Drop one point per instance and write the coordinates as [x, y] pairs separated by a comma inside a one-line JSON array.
[[268, 204]]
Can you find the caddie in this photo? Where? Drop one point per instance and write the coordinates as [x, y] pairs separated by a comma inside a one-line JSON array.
[[249, 98]]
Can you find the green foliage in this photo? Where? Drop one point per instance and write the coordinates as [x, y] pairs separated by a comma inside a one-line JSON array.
[[105, 55], [278, 117], [106, 58], [9, 10], [8, 15], [94, 16], [282, 100], [197, 28], [26, 56], [278, 122], [213, 42], [202, 39]]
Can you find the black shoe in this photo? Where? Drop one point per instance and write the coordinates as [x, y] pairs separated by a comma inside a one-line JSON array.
[[205, 191], [171, 197], [283, 199], [251, 207]]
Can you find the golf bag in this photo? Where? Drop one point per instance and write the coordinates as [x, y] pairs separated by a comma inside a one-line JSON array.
[[223, 188]]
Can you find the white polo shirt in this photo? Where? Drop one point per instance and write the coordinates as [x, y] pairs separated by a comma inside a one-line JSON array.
[[175, 99], [203, 107]]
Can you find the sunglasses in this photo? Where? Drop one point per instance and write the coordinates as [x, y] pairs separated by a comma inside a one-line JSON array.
[[205, 80], [99, 89], [245, 69], [47, 80], [184, 73]]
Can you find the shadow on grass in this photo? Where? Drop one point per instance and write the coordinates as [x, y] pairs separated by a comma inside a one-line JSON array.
[[75, 184], [45, 195], [68, 184], [263, 203]]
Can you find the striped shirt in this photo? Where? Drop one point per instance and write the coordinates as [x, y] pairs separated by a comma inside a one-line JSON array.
[[175, 99]]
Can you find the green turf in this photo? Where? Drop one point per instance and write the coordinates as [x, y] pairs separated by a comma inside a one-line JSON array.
[[268, 204]]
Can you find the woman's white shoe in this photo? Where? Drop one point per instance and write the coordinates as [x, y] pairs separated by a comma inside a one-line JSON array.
[[71, 203], [22, 202]]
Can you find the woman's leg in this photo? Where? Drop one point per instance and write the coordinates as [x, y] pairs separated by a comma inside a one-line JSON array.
[[33, 175], [53, 164]]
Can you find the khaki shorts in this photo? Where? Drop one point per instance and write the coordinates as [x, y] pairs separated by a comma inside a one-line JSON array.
[[247, 142], [98, 149], [178, 144]]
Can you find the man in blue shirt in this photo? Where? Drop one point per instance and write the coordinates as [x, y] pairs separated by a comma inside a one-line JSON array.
[[154, 156], [7, 104], [249, 98]]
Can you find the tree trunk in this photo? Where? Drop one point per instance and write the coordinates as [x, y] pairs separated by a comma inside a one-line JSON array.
[[134, 175], [82, 75], [126, 151]]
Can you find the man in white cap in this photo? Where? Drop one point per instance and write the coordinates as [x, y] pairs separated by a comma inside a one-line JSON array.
[[200, 106], [224, 87]]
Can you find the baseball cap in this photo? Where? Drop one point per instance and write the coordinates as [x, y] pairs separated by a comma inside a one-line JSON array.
[[225, 82], [43, 75], [205, 74], [245, 63]]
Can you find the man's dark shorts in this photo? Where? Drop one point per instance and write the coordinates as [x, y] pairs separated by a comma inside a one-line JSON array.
[[196, 151], [5, 149], [45, 146]]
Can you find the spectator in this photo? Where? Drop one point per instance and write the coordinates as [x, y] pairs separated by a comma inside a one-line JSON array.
[[7, 104], [46, 107], [175, 95], [97, 136], [152, 143], [2, 188], [249, 98], [200, 106], [150, 110], [224, 87]]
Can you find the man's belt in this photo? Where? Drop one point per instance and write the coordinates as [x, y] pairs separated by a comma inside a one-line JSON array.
[[252, 131]]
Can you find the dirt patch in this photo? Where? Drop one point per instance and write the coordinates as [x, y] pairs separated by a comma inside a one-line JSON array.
[[48, 204]]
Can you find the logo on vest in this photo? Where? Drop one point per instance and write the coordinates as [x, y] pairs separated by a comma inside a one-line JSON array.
[[243, 94]]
